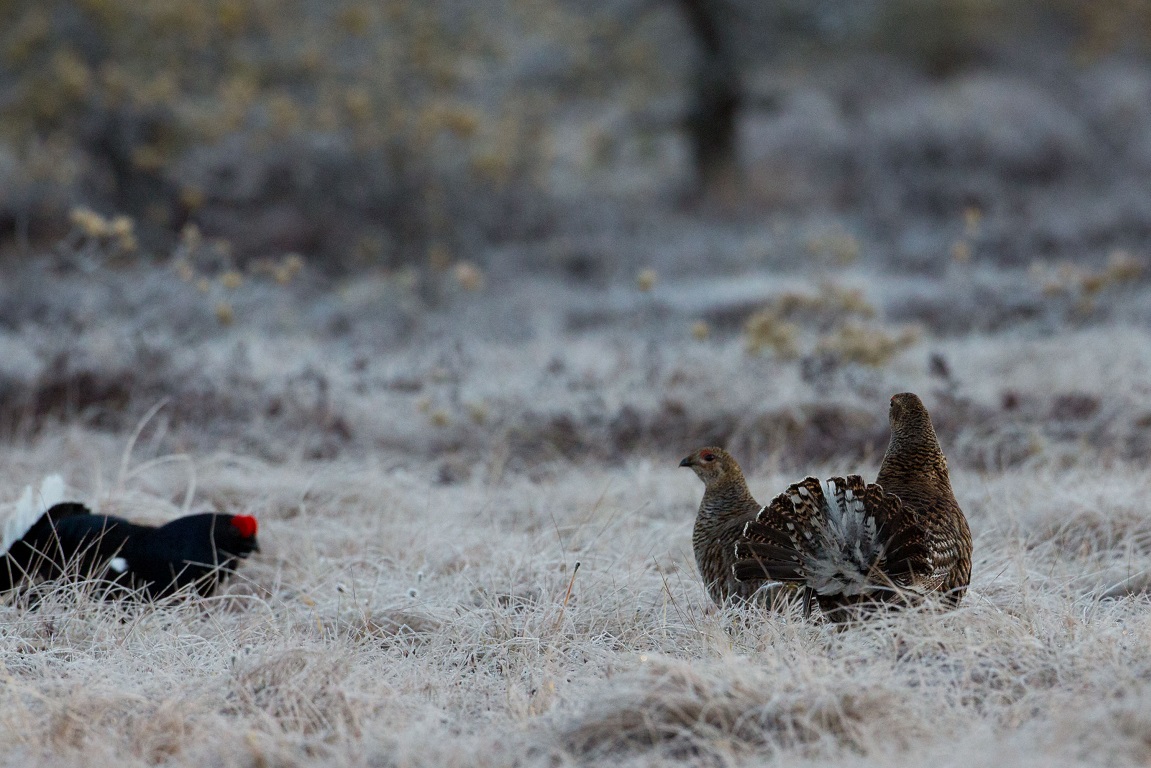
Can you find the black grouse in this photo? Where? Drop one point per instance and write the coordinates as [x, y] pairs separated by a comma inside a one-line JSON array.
[[67, 540]]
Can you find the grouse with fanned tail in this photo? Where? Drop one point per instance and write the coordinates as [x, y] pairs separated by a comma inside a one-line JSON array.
[[851, 543], [49, 538]]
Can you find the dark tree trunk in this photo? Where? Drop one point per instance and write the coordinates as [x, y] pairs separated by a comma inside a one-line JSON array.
[[716, 100]]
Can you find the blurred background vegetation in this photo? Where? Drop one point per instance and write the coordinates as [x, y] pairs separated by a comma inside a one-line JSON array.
[[384, 134]]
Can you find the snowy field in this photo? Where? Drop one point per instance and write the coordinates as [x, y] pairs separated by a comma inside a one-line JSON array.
[[432, 295], [424, 502]]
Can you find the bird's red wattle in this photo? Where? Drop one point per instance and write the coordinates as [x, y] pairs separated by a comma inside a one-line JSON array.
[[245, 525]]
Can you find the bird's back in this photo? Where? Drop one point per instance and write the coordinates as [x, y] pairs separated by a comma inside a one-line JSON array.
[[188, 550], [915, 469], [916, 472], [71, 540]]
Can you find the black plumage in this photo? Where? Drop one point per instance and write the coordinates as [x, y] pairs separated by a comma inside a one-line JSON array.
[[68, 541]]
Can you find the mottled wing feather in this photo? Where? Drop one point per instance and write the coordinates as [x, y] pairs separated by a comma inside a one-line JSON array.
[[771, 546], [950, 541], [907, 558], [848, 541]]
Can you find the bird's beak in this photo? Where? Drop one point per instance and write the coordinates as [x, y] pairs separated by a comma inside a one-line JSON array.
[[687, 462]]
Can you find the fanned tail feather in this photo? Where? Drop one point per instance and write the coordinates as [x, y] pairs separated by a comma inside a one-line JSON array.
[[768, 547], [841, 556], [30, 507], [845, 540]]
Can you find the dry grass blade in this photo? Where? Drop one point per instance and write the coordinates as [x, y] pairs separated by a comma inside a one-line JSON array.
[[567, 596]]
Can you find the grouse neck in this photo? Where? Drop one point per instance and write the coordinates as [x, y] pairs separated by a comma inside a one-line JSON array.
[[913, 459], [727, 497]]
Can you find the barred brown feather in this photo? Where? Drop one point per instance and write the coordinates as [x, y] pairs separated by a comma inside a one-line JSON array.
[[849, 542], [915, 469], [726, 507]]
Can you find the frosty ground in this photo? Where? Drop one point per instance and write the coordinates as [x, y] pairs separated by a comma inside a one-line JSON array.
[[428, 480], [442, 299]]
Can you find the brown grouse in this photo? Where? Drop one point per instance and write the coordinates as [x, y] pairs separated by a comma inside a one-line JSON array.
[[851, 543], [726, 508]]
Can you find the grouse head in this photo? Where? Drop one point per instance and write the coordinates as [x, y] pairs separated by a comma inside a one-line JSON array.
[[908, 414], [238, 537], [713, 465]]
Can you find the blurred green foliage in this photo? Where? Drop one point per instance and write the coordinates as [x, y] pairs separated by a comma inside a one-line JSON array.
[[384, 71], [395, 79], [1111, 25], [452, 104]]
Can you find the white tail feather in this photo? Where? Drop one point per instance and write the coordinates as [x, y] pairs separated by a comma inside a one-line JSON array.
[[30, 507], [849, 546]]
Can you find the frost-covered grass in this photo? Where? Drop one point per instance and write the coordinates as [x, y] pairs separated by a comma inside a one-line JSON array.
[[476, 539], [462, 451], [393, 621]]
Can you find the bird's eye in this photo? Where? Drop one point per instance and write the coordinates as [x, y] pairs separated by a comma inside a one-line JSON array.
[[707, 456]]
